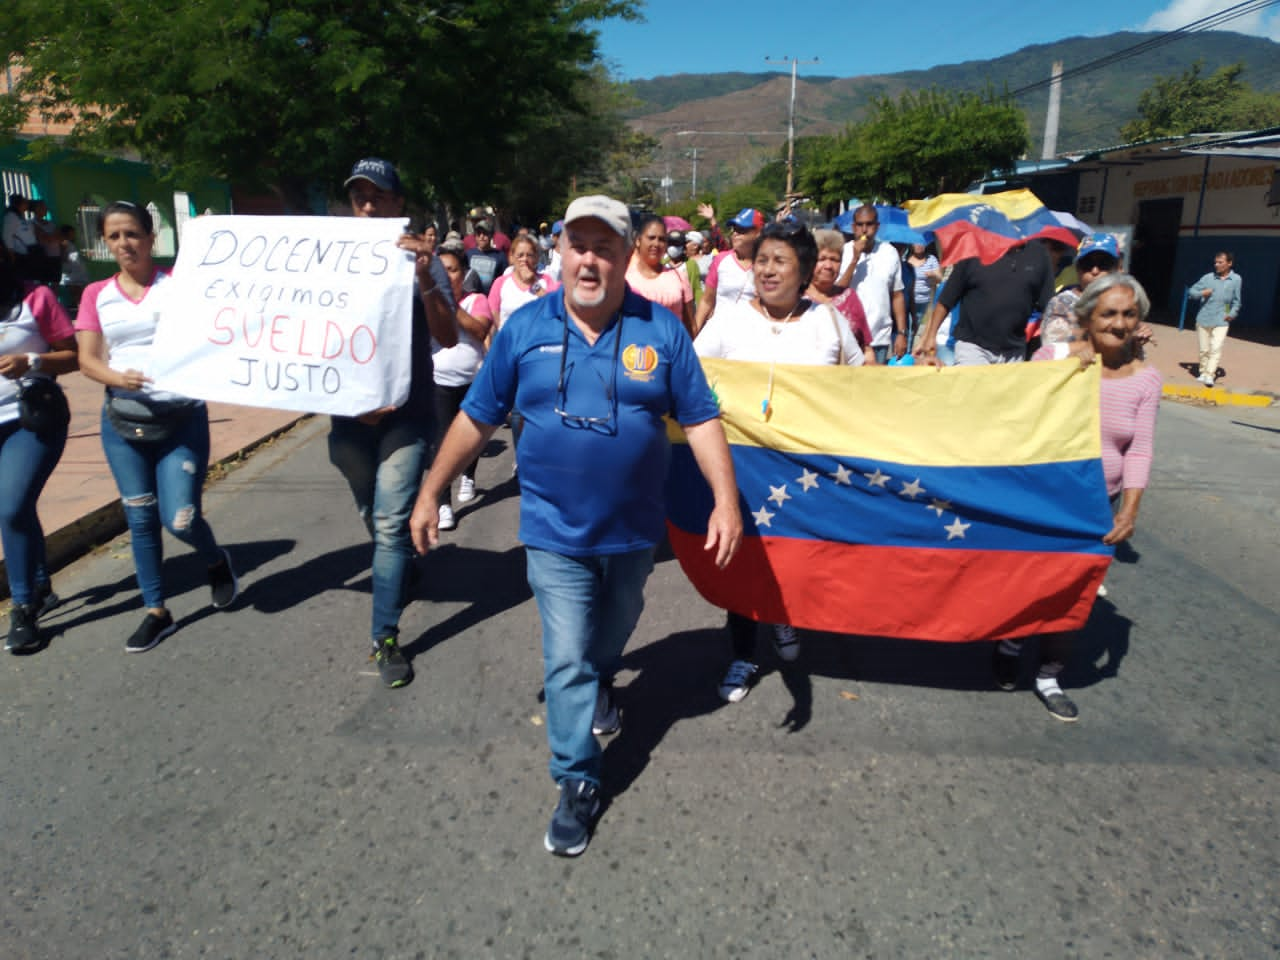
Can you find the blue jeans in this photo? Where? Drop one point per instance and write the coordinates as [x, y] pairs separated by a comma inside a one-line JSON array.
[[26, 461], [383, 465], [589, 606], [161, 484]]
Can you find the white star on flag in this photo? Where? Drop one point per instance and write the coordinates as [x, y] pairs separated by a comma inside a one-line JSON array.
[[841, 475], [877, 479], [955, 530], [808, 480], [763, 516], [779, 495], [939, 506], [912, 489]]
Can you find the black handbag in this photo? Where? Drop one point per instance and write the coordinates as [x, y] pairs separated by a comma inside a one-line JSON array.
[[144, 422], [43, 407]]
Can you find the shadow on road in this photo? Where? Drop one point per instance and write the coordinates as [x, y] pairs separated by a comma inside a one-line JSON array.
[[184, 572], [487, 581], [676, 680]]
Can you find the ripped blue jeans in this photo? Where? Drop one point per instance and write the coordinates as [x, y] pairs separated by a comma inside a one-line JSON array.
[[160, 486]]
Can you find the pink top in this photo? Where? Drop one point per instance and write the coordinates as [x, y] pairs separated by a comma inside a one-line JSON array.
[[1129, 406], [851, 308], [506, 296], [1128, 414], [669, 288]]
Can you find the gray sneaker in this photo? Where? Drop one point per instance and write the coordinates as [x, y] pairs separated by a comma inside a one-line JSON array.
[[24, 636], [392, 666], [570, 828]]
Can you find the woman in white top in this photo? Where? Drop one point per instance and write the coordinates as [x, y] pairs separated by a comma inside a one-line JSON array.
[[523, 284], [37, 342], [456, 366], [156, 442], [780, 325]]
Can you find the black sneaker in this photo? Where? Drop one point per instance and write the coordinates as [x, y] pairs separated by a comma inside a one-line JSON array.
[[1006, 667], [392, 666], [570, 829], [151, 631], [223, 585], [46, 600], [23, 635], [607, 719], [1060, 706]]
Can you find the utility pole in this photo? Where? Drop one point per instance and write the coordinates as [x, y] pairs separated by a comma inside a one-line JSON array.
[[791, 120], [717, 133], [1051, 116]]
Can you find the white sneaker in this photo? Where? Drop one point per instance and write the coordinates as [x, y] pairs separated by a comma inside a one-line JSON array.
[[466, 490], [785, 642], [446, 517], [737, 680]]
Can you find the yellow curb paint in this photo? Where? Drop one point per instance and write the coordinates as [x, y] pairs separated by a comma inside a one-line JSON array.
[[1219, 396]]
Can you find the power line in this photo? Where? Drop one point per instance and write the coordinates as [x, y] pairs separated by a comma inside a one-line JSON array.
[[1210, 22]]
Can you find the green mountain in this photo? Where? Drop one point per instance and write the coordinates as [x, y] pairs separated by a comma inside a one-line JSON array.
[[742, 115]]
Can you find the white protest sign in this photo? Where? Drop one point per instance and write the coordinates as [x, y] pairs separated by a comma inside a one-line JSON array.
[[296, 313]]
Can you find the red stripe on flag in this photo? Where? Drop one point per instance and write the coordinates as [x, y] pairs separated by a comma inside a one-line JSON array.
[[895, 591]]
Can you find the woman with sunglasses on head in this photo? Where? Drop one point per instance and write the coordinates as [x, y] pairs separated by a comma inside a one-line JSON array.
[[780, 325], [37, 342], [156, 442], [648, 276]]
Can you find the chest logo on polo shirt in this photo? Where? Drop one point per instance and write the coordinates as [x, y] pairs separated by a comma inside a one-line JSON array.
[[639, 362]]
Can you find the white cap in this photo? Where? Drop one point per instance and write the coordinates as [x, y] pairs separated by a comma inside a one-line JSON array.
[[693, 235], [612, 213]]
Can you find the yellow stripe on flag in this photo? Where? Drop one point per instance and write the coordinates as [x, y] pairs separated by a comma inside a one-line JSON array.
[[1005, 415], [1014, 204]]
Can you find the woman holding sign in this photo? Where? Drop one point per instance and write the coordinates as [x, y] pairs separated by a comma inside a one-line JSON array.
[[156, 443]]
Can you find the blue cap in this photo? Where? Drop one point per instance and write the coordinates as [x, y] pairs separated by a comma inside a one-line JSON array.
[[557, 228], [378, 172], [748, 218], [1099, 243]]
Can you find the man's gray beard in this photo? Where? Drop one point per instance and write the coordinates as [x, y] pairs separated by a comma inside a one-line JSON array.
[[578, 301]]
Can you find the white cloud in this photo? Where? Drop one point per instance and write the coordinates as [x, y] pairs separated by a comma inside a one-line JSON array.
[[1179, 13]]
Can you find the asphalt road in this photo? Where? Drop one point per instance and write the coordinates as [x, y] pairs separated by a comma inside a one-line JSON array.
[[249, 789]]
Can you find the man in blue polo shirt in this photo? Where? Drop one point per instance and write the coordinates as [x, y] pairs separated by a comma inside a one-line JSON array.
[[593, 368]]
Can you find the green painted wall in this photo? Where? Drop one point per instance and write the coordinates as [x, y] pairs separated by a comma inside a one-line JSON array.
[[66, 180]]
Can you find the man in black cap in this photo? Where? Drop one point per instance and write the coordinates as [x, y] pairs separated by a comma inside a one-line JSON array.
[[383, 453]]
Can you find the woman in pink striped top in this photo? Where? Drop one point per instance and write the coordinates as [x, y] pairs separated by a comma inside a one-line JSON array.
[[1109, 312]]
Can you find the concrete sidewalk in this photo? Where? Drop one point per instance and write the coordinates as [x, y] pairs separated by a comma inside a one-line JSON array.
[[80, 506]]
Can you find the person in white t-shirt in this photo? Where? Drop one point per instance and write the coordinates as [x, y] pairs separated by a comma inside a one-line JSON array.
[[780, 325], [729, 278], [457, 366], [874, 270], [156, 442]]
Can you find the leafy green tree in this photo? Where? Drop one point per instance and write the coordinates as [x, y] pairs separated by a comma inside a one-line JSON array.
[[289, 94], [923, 143], [1192, 103]]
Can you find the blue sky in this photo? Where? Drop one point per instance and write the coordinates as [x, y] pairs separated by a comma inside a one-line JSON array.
[[695, 36]]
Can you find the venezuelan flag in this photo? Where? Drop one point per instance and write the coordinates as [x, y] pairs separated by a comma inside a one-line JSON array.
[[985, 226], [956, 504]]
